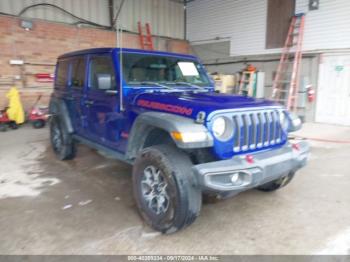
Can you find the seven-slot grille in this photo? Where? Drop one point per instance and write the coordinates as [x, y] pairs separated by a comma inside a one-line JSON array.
[[257, 129]]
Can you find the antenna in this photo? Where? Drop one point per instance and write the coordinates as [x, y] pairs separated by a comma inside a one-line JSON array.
[[119, 34], [121, 70]]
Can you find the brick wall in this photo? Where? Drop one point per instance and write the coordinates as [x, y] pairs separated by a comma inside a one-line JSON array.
[[40, 47]]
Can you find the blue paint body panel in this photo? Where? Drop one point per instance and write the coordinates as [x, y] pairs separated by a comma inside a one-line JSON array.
[[105, 123]]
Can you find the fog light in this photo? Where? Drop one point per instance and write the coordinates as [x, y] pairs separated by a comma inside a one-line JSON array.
[[235, 178]]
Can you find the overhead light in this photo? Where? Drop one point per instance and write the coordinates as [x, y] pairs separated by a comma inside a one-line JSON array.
[[314, 4], [27, 25]]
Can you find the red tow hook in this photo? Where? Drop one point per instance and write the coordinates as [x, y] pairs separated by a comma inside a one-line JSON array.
[[296, 147], [249, 159]]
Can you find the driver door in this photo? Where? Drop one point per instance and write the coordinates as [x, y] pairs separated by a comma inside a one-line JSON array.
[[102, 101]]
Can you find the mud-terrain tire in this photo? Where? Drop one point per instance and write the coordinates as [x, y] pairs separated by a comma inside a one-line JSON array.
[[38, 123], [61, 141], [276, 184], [165, 189]]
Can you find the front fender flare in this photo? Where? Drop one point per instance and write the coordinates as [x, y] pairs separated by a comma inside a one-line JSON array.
[[146, 122]]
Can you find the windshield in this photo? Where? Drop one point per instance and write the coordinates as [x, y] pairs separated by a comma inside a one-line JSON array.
[[146, 69]]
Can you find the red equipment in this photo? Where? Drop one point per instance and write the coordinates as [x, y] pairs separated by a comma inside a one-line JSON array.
[[310, 93], [5, 122], [44, 78], [38, 115], [146, 40], [286, 86]]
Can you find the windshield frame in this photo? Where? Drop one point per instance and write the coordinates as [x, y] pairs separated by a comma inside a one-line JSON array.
[[166, 84]]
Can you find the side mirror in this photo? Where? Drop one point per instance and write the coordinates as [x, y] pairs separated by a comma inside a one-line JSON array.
[[295, 123], [104, 81]]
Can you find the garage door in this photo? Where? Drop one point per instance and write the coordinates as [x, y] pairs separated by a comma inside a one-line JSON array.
[[333, 95]]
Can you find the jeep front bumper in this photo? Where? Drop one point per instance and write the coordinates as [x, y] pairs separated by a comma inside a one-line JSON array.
[[241, 173]]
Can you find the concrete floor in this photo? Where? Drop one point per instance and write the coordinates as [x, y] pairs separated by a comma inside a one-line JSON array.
[[85, 206]]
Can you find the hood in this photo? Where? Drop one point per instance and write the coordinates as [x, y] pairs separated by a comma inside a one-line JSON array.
[[190, 103]]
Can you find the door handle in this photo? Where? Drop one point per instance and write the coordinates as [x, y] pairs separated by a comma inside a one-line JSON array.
[[70, 98], [89, 102]]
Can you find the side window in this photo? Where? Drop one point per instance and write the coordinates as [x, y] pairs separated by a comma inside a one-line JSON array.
[[101, 75], [78, 72], [62, 73]]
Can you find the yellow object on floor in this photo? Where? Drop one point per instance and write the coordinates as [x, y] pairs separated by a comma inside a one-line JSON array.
[[15, 110]]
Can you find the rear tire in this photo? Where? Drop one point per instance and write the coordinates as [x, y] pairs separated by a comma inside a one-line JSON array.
[[165, 188], [61, 141], [38, 124], [276, 184], [3, 127]]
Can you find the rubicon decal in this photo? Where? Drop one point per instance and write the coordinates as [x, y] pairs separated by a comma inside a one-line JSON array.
[[165, 107]]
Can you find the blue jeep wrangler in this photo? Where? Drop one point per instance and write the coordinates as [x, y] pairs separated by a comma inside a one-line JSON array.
[[159, 112]]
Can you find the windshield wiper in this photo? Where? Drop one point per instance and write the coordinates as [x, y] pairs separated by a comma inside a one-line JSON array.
[[168, 84], [189, 84], [155, 83]]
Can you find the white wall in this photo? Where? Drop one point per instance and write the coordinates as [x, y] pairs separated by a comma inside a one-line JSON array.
[[244, 22], [328, 27]]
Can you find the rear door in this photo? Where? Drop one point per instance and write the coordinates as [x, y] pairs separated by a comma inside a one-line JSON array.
[[102, 101], [69, 84], [77, 82]]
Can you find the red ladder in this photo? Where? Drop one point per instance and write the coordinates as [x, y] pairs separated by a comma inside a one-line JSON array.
[[146, 40], [285, 85]]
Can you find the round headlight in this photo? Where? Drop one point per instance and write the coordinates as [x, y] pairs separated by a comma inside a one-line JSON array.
[[284, 121], [222, 128], [219, 126]]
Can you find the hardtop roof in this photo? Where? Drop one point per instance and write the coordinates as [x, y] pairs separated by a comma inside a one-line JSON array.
[[127, 50]]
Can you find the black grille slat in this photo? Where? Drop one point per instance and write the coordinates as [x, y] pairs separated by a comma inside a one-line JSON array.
[[268, 129], [262, 130], [275, 126], [245, 144], [237, 146], [280, 131], [254, 131]]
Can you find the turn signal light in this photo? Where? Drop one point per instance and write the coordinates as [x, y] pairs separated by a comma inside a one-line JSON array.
[[189, 137], [176, 135]]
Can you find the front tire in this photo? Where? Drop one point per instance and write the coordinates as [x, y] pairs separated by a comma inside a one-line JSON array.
[[61, 141], [276, 184], [165, 189]]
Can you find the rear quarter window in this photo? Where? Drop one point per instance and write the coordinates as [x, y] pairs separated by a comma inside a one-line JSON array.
[[78, 72], [62, 74]]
